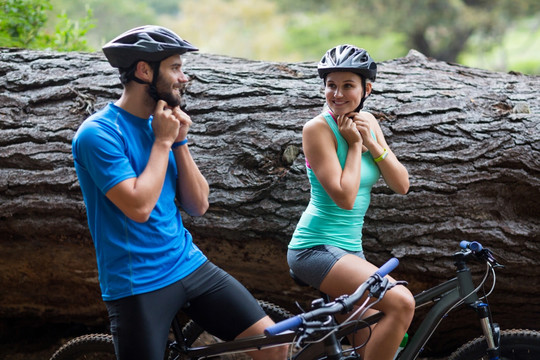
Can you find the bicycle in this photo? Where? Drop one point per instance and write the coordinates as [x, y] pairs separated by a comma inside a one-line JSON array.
[[315, 334], [495, 344]]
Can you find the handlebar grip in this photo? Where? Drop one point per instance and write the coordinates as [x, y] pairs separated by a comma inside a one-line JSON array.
[[387, 267], [287, 324], [474, 246]]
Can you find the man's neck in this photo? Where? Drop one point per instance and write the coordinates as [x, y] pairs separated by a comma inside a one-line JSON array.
[[136, 102]]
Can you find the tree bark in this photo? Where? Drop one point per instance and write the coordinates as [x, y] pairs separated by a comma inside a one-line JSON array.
[[470, 139]]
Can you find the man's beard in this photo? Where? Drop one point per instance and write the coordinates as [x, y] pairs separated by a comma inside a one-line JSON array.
[[171, 98]]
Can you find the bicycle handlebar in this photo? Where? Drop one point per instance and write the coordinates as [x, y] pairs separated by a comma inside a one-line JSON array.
[[480, 252], [388, 267], [474, 246], [334, 308], [288, 324]]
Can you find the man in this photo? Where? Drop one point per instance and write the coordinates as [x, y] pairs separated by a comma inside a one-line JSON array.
[[133, 164]]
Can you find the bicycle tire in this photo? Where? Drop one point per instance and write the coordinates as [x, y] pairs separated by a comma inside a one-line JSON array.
[[516, 344], [196, 336], [87, 347]]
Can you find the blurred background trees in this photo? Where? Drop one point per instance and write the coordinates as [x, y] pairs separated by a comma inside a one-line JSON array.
[[23, 24], [500, 35]]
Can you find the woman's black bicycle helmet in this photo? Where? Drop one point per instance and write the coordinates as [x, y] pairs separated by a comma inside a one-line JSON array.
[[149, 43], [348, 58]]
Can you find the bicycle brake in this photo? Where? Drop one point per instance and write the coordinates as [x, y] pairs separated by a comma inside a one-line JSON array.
[[379, 290], [399, 282], [310, 332], [487, 255]]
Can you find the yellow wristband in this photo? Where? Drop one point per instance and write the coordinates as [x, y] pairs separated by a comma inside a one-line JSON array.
[[382, 157]]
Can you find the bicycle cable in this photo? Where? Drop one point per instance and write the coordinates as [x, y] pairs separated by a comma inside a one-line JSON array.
[[355, 347], [362, 308], [492, 284], [459, 303], [337, 326]]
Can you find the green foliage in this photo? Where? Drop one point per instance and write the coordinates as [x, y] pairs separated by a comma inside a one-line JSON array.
[[22, 24], [235, 27], [518, 50], [70, 35], [164, 6], [441, 28], [262, 32], [474, 32], [111, 18], [311, 35]]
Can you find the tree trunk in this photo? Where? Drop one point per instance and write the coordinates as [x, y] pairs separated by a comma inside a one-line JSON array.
[[469, 138]]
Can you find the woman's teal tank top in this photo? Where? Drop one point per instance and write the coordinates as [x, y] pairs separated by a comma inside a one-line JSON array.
[[325, 223]]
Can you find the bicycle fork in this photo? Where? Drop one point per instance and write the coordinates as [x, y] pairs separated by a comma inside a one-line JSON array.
[[491, 330]]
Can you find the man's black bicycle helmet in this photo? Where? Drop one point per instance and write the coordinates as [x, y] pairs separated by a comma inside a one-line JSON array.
[[149, 43], [348, 58]]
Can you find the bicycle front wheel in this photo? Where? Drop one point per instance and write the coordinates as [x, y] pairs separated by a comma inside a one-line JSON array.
[[516, 344], [87, 347], [196, 336]]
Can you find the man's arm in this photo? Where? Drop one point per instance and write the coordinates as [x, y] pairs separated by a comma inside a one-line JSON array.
[[137, 197], [193, 189]]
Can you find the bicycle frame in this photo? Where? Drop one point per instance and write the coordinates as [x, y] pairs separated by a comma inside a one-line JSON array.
[[445, 296], [234, 346]]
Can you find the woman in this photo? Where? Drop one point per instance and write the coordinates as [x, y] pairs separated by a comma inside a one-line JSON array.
[[345, 154]]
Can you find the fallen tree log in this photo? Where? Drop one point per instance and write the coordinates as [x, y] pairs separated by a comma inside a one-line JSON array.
[[470, 139]]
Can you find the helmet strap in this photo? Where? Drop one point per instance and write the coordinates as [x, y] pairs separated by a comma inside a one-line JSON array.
[[363, 95], [152, 88], [128, 75], [137, 80]]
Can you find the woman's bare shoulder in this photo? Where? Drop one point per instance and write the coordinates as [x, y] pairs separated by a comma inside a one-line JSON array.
[[369, 115], [316, 123], [372, 119]]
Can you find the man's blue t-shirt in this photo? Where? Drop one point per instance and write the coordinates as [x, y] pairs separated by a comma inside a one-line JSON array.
[[133, 258]]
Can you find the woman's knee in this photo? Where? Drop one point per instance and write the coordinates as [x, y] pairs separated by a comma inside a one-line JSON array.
[[402, 303]]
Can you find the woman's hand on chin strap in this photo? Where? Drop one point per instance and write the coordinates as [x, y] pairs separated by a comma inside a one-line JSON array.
[[348, 129], [363, 124]]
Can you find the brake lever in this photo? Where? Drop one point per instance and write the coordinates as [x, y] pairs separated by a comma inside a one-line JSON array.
[[487, 255], [379, 290], [310, 331]]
